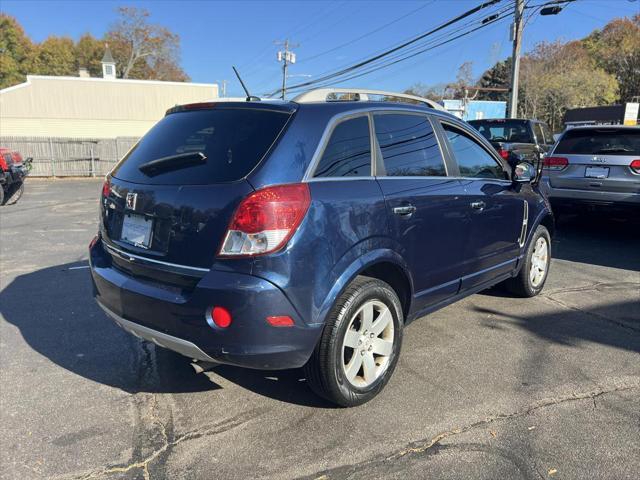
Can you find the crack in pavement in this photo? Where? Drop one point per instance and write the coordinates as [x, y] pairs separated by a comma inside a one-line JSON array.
[[423, 446], [211, 430]]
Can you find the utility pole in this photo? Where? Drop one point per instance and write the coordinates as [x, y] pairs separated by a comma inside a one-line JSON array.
[[224, 88], [286, 56], [515, 57]]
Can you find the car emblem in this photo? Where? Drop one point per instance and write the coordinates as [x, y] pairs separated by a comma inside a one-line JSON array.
[[599, 159], [131, 200]]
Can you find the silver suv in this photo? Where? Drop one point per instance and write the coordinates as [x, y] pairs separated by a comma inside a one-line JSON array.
[[594, 166]]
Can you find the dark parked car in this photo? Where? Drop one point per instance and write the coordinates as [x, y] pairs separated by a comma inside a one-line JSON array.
[[517, 139], [595, 168], [13, 170], [275, 235]]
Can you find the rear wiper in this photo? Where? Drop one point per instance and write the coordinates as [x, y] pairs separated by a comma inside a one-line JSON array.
[[172, 162], [614, 149]]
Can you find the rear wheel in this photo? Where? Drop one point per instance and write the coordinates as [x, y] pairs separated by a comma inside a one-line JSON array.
[[535, 268], [360, 344], [13, 194]]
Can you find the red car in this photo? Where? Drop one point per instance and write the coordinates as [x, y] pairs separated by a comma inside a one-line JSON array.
[[13, 170]]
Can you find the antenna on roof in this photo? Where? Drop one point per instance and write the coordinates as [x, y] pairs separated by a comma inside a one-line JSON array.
[[249, 96]]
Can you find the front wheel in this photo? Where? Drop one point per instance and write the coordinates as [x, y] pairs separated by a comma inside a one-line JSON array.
[[13, 194], [360, 344], [533, 274]]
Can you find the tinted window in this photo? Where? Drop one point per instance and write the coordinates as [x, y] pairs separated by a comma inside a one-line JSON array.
[[409, 146], [515, 131], [548, 136], [537, 128], [348, 152], [473, 160], [233, 140], [606, 141]]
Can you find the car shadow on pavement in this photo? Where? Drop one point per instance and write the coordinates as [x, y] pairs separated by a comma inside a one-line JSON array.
[[616, 324], [598, 239], [55, 313]]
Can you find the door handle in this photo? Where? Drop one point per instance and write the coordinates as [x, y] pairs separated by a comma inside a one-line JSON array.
[[478, 205], [406, 210]]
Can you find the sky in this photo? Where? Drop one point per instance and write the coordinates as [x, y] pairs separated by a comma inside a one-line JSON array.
[[331, 34]]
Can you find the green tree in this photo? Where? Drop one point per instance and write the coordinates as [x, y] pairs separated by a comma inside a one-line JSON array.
[[88, 52], [55, 56], [15, 52], [616, 49], [498, 76]]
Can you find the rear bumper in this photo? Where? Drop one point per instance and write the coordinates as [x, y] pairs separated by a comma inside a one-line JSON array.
[[175, 318], [569, 197]]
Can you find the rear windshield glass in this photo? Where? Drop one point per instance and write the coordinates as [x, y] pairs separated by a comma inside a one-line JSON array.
[[604, 141], [232, 140], [510, 131]]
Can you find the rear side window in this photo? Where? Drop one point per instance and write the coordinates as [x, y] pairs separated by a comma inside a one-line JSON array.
[[232, 140], [348, 152], [603, 141], [409, 146], [473, 160]]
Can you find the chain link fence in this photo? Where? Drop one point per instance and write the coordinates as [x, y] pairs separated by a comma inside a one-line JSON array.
[[70, 157]]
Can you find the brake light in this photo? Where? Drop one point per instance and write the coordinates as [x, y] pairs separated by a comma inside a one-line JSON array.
[[266, 220], [635, 165], [555, 163], [106, 188], [504, 153]]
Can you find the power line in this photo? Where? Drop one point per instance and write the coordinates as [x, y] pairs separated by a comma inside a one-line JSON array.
[[398, 47], [388, 64], [413, 51], [368, 34]]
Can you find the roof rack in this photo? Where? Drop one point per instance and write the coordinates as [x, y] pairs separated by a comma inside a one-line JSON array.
[[362, 95]]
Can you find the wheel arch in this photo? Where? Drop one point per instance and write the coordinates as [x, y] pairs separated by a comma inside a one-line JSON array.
[[383, 264]]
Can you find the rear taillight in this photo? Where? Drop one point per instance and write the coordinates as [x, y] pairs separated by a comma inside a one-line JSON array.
[[635, 166], [106, 188], [266, 220], [504, 153], [555, 163]]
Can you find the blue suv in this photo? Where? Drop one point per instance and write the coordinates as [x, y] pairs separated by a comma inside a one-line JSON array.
[[309, 233]]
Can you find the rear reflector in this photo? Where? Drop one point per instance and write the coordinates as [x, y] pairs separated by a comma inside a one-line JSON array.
[[635, 165], [219, 317], [282, 321], [266, 220], [555, 163]]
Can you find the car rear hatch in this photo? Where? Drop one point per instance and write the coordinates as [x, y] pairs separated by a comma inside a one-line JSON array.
[[168, 202], [596, 159]]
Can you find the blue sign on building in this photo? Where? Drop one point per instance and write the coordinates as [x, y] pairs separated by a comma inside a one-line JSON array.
[[476, 109]]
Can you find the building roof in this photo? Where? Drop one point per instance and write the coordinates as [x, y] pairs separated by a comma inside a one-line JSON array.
[[107, 58]]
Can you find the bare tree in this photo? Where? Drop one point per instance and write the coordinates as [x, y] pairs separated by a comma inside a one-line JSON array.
[[138, 45]]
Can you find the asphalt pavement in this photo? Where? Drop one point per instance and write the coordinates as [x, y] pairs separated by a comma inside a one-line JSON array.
[[491, 387]]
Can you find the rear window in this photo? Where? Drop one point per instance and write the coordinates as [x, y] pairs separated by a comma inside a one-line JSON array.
[[604, 141], [232, 140], [510, 131]]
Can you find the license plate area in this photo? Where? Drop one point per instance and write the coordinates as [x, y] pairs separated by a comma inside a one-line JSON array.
[[137, 230], [596, 172]]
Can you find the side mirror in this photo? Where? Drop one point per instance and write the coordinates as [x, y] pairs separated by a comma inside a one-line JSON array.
[[524, 172]]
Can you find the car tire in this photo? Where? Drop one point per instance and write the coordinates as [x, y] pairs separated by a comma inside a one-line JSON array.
[[351, 364], [13, 194], [533, 273]]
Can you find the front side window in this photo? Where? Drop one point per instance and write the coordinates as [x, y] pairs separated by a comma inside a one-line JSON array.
[[473, 160], [409, 146], [348, 152]]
